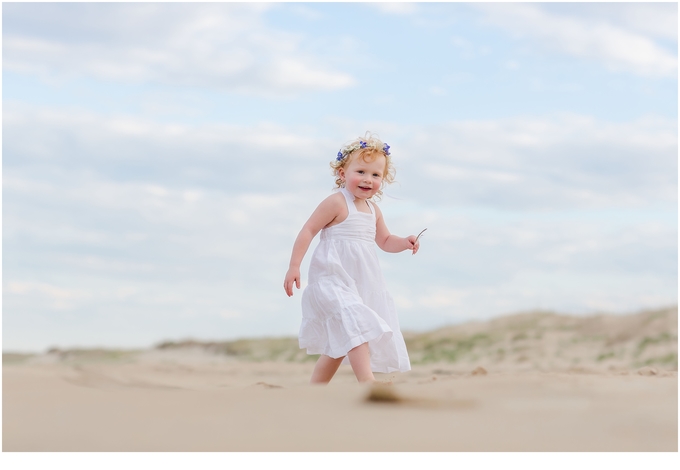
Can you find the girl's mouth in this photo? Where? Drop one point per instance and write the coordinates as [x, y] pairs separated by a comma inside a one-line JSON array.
[[365, 189]]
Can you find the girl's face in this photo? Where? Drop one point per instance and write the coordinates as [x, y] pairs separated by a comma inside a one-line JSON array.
[[362, 178]]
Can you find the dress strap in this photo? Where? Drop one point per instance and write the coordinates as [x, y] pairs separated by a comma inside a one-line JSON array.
[[370, 206], [349, 199]]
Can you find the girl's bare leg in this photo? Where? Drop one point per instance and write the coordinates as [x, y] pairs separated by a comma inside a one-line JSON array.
[[360, 360], [325, 369]]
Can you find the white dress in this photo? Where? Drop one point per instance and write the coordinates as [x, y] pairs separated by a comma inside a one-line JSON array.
[[346, 302]]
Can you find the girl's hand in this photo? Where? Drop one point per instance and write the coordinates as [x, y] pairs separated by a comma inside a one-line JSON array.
[[413, 243], [292, 276]]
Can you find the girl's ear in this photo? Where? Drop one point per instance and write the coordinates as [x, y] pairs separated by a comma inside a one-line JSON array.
[[341, 173]]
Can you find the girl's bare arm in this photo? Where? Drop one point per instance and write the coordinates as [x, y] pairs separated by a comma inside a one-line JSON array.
[[392, 243], [324, 214]]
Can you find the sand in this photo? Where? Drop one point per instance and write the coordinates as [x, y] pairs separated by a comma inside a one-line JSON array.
[[531, 382], [195, 402]]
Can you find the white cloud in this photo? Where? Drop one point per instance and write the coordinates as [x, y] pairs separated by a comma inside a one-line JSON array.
[[304, 11], [452, 173], [562, 160], [220, 46], [469, 50], [617, 46], [511, 64], [659, 20], [395, 8], [438, 91], [479, 264], [149, 221], [58, 298], [553, 162], [441, 298], [229, 314], [127, 137]]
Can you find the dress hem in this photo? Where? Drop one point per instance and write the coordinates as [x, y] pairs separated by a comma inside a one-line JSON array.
[[348, 346]]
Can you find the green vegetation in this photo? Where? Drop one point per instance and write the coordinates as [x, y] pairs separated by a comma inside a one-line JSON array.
[[588, 339], [605, 356], [259, 350], [518, 339], [655, 315], [647, 340], [424, 349], [93, 355], [520, 336], [669, 360], [15, 358]]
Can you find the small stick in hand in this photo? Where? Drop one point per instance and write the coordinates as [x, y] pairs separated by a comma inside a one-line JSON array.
[[418, 238]]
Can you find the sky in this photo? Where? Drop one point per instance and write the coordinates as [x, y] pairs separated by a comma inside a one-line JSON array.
[[159, 159]]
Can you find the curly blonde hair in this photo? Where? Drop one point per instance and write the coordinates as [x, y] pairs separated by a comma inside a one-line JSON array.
[[368, 147]]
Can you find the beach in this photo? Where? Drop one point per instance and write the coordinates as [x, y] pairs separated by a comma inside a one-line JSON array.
[[190, 398]]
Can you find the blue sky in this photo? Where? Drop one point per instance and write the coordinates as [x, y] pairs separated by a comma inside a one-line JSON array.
[[159, 160]]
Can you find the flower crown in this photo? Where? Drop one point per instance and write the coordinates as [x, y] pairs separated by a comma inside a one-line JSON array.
[[361, 145]]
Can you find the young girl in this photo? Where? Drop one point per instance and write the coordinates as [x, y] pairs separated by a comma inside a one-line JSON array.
[[347, 313]]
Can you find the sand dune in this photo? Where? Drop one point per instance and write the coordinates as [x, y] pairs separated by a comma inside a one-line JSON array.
[[562, 384], [549, 341]]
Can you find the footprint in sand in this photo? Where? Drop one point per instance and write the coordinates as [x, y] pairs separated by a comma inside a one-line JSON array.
[[266, 385], [428, 381], [84, 377], [648, 371]]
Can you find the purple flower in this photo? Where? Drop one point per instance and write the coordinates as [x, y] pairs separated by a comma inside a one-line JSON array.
[[363, 144], [339, 156], [386, 149]]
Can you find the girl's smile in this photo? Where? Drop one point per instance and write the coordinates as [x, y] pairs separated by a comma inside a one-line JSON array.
[[363, 179]]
